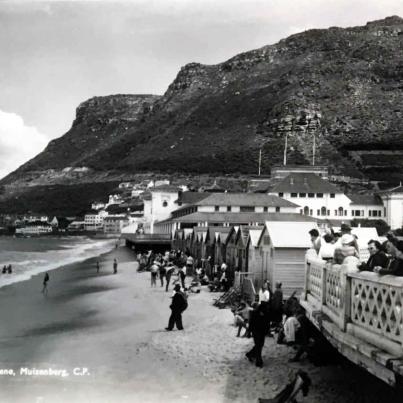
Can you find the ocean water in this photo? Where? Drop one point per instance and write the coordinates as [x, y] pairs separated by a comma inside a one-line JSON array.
[[30, 256]]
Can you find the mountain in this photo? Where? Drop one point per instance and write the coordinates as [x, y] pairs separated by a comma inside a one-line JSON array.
[[338, 88]]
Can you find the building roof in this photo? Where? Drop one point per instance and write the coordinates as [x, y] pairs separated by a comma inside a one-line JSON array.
[[191, 197], [165, 188], [146, 195], [304, 183], [289, 234], [243, 232], [362, 199], [244, 199], [239, 218], [254, 236], [397, 189]]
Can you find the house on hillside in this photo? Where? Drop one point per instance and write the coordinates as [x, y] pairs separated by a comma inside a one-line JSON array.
[[283, 246]]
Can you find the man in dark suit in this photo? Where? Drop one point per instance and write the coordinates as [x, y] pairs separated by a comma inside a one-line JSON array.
[[258, 326], [377, 257], [178, 305]]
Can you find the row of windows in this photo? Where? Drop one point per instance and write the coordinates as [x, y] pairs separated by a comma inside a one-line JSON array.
[[340, 212], [246, 209], [310, 195]]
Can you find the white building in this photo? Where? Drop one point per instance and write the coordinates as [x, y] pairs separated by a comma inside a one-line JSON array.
[[393, 202], [94, 220], [159, 202], [34, 228], [113, 224], [96, 205], [319, 198]]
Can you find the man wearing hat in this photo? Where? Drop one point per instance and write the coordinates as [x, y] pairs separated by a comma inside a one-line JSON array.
[[178, 305]]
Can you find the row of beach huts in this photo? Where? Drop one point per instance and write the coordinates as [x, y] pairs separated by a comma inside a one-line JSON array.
[[274, 251]]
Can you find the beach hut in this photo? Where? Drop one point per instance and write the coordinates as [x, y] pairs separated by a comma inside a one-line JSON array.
[[198, 236], [254, 257], [230, 249], [221, 234], [177, 241], [283, 246], [241, 246]]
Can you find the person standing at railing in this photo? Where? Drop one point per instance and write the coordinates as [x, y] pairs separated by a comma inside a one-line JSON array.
[[377, 257], [348, 248], [315, 239], [326, 251], [395, 266]]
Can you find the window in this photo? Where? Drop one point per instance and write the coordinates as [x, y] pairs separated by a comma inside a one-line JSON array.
[[317, 212], [266, 240], [356, 213], [302, 195], [310, 212], [323, 211], [335, 213], [345, 212], [370, 213], [320, 195], [265, 209], [294, 194], [301, 211], [328, 212], [247, 209], [228, 208], [216, 208], [306, 210], [332, 195], [164, 203], [277, 209], [311, 195], [280, 194]]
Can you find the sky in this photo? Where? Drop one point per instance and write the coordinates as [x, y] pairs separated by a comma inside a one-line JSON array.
[[55, 55]]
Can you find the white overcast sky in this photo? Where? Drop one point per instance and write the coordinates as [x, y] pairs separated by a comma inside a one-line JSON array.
[[54, 55]]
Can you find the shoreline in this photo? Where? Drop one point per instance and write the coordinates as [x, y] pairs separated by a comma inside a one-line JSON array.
[[15, 277]]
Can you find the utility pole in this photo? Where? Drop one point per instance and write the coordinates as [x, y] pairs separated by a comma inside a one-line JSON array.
[[313, 149], [285, 150], [260, 161]]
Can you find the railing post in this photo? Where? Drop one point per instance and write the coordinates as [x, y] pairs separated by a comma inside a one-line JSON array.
[[307, 275], [346, 311], [323, 287]]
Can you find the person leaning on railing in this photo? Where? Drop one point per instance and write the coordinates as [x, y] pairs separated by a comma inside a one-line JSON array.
[[377, 257], [348, 248], [395, 250]]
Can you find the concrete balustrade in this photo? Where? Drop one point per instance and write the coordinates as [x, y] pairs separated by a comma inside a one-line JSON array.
[[364, 304]]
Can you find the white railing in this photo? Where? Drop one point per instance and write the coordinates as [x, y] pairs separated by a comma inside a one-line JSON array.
[[361, 303]]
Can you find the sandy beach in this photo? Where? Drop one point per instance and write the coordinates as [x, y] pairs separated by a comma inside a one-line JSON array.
[[105, 334]]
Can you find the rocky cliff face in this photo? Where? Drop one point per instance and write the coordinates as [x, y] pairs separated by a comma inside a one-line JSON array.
[[338, 88]]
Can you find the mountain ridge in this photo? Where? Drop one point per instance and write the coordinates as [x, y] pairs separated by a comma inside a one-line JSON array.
[[339, 87]]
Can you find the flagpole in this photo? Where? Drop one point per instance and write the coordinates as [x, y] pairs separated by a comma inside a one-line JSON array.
[[285, 150]]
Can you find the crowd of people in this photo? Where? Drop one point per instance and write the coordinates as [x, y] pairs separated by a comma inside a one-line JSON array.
[[385, 258], [270, 315]]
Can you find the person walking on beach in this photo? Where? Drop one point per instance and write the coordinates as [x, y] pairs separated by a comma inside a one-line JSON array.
[[9, 269], [4, 269], [45, 284], [258, 327], [178, 305], [98, 266], [154, 273], [162, 272], [115, 266]]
